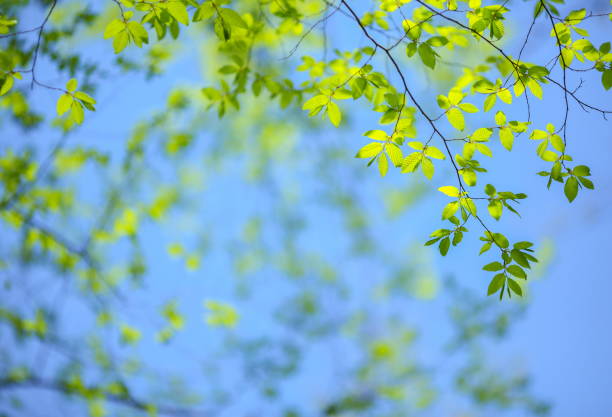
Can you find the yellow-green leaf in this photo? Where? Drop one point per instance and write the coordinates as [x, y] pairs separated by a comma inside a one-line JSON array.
[[449, 190], [63, 104], [434, 152], [370, 150], [506, 137], [334, 113], [449, 210], [505, 95], [113, 28], [395, 154], [495, 208], [383, 165], [84, 97], [456, 119], [178, 11], [121, 41], [411, 162], [427, 167], [76, 112], [376, 135], [72, 85], [7, 85]]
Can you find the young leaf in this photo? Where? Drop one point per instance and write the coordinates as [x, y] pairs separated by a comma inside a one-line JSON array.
[[493, 266], [7, 85], [411, 162], [449, 210], [370, 150], [178, 11], [72, 85], [63, 104], [496, 283], [427, 167], [383, 164], [444, 245], [571, 188], [456, 119], [334, 114], [517, 271], [449, 190]]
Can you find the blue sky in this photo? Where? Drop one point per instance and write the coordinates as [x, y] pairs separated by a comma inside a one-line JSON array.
[[564, 340]]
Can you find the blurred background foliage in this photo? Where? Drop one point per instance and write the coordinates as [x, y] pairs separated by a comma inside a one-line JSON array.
[[159, 260]]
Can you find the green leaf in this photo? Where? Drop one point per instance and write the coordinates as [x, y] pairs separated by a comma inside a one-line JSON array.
[[535, 88], [500, 118], [571, 188], [411, 162], [549, 156], [84, 97], [515, 287], [501, 240], [538, 135], [316, 101], [76, 112], [468, 108], [517, 271], [427, 167], [581, 171], [468, 204], [434, 152], [506, 137], [489, 102], [496, 283], [519, 258], [334, 114], [416, 145], [178, 11], [468, 150], [557, 143], [482, 134], [444, 245], [456, 119], [138, 32], [505, 95], [63, 104], [606, 77], [113, 28], [121, 41], [485, 248], [495, 208], [204, 12], [222, 29], [72, 85], [587, 183], [449, 190], [383, 165], [522, 245], [232, 18], [7, 85], [469, 176], [375, 134], [457, 238], [411, 49], [395, 154], [443, 102], [370, 150], [449, 210], [493, 266], [427, 54]]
